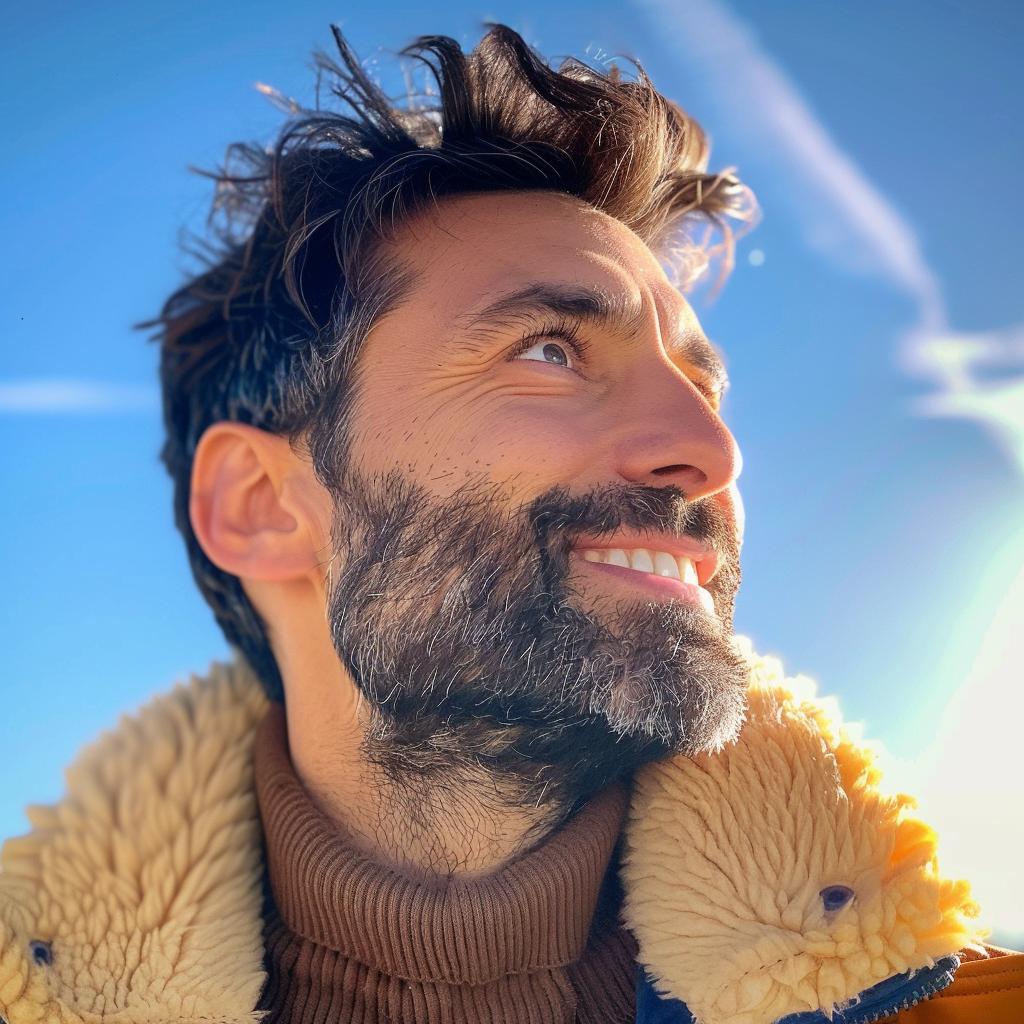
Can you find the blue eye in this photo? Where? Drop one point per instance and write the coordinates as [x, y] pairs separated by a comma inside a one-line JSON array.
[[548, 352], [835, 897]]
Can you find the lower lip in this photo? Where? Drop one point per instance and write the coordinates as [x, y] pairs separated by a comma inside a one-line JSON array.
[[660, 586]]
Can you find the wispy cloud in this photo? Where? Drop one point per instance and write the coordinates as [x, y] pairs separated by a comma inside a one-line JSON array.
[[63, 395], [979, 376]]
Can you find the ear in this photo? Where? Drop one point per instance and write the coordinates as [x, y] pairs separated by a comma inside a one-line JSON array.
[[256, 507]]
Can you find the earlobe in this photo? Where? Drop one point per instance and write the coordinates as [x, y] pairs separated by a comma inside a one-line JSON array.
[[251, 506]]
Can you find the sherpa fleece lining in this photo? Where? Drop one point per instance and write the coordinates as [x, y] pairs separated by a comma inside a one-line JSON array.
[[142, 886]]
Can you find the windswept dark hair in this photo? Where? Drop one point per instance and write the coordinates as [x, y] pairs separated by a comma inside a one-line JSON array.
[[268, 333]]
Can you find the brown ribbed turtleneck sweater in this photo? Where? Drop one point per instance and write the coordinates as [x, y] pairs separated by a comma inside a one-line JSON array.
[[352, 940]]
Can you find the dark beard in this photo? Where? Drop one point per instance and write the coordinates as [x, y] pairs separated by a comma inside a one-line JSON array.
[[456, 620]]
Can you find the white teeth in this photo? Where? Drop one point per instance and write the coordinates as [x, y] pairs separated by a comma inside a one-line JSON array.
[[666, 565], [641, 560], [688, 570], [660, 563]]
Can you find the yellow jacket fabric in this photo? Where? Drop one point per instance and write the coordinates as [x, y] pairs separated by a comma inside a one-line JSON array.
[[137, 899], [985, 992]]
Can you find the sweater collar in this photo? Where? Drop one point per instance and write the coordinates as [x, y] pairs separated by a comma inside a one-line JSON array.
[[532, 914]]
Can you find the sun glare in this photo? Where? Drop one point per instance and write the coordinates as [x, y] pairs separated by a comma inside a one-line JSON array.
[[968, 780]]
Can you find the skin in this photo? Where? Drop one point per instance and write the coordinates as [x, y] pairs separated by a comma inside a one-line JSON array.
[[456, 387]]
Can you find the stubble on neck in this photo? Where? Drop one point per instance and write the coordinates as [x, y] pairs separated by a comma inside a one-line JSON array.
[[430, 820]]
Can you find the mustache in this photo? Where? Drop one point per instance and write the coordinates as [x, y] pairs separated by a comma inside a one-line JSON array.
[[664, 510]]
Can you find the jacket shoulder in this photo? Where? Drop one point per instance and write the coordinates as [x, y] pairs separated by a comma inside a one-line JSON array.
[[137, 897], [989, 989]]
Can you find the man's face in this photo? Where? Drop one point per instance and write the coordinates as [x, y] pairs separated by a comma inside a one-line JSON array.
[[536, 552]]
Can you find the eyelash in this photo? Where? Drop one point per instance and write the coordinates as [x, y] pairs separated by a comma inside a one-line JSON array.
[[568, 331], [564, 330]]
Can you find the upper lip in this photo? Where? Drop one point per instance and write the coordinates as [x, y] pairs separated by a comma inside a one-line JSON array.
[[704, 558]]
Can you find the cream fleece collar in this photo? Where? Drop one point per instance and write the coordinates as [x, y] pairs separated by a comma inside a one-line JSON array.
[[136, 899]]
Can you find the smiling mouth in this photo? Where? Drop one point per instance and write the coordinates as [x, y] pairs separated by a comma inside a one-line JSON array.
[[668, 573]]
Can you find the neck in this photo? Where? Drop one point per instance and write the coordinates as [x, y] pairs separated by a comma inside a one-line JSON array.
[[453, 821], [426, 812], [345, 933], [420, 805]]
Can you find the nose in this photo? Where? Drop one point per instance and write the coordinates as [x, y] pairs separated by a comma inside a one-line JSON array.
[[670, 434]]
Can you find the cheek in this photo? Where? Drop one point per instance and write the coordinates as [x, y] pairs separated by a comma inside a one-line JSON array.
[[536, 441], [526, 443]]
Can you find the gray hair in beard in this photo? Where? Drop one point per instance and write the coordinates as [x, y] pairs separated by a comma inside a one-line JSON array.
[[455, 618]]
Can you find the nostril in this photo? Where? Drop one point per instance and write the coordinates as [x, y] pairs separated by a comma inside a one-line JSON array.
[[677, 468], [835, 897]]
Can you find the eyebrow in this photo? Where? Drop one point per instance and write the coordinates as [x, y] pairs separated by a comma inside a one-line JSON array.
[[580, 301], [592, 304]]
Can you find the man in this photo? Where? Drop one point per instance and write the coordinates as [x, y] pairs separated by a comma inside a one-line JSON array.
[[449, 465]]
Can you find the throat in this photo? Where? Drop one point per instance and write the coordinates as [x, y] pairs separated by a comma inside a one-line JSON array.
[[449, 825], [429, 810]]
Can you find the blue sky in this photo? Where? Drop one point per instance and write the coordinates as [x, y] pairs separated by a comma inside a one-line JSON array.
[[885, 144]]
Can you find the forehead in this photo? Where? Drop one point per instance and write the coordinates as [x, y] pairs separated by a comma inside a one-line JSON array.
[[468, 255]]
